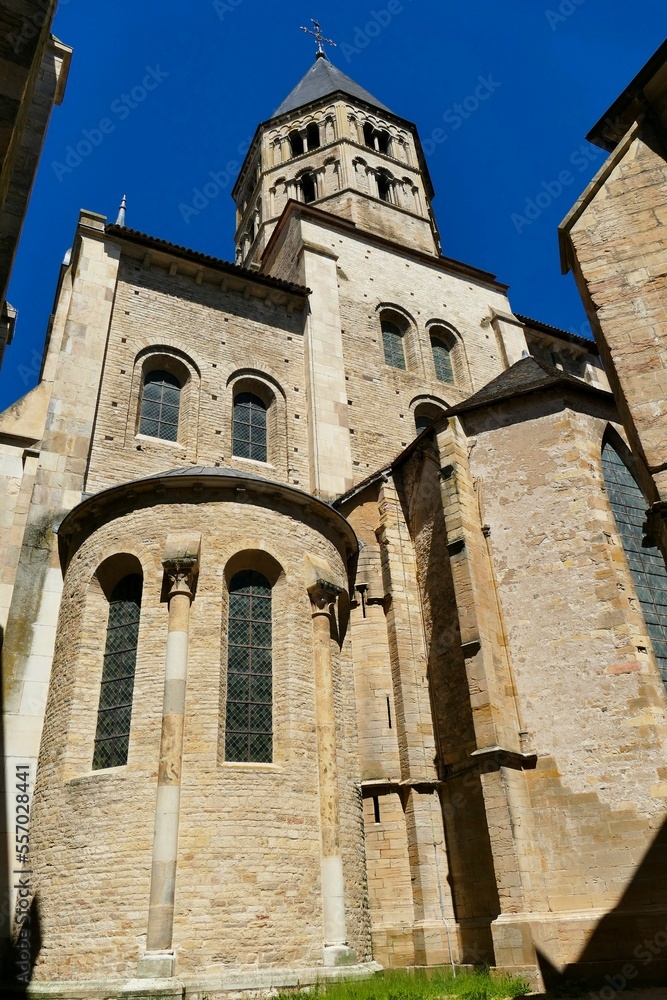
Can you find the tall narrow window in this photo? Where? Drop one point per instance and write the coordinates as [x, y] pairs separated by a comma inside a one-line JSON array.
[[308, 188], [296, 143], [647, 565], [313, 136], [160, 403], [250, 437], [112, 736], [442, 359], [392, 341], [249, 716], [384, 181]]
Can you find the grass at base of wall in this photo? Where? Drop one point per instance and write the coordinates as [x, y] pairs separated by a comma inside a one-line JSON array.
[[398, 984]]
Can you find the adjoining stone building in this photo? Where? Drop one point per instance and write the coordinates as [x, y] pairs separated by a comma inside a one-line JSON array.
[[33, 75], [330, 635]]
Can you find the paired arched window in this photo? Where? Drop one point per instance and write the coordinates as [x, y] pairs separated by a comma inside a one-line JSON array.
[[249, 710], [160, 403], [442, 359], [250, 427], [114, 714], [647, 565], [392, 342]]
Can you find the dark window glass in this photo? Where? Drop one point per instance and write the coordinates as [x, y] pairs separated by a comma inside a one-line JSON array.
[[249, 427], [249, 718], [369, 135], [384, 186], [296, 143], [392, 341], [383, 141], [308, 188], [313, 134], [647, 565], [160, 402], [422, 421], [443, 361], [112, 736]]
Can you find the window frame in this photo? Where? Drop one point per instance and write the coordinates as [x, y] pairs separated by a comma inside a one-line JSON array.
[[176, 381], [240, 597], [645, 565], [253, 399], [388, 351], [133, 580]]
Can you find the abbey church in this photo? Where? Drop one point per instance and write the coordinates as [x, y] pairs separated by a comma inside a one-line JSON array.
[[333, 591]]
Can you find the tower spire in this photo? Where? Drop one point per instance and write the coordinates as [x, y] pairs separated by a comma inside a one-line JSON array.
[[120, 221], [319, 38]]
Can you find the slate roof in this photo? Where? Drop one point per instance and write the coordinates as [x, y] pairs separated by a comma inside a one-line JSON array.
[[206, 470], [525, 376], [143, 239], [556, 331], [321, 80]]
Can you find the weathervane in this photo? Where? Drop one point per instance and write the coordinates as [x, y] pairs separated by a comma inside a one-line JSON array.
[[319, 37]]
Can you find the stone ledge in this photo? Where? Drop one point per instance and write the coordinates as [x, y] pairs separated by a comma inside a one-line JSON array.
[[124, 989], [165, 989]]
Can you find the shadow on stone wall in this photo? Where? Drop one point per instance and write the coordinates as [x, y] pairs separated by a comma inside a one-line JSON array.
[[20, 944], [635, 931]]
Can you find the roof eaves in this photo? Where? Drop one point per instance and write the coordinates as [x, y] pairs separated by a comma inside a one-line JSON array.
[[609, 130], [556, 331], [144, 240]]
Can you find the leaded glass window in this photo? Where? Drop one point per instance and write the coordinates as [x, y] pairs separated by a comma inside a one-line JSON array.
[[392, 341], [112, 736], [249, 718], [442, 359], [647, 565], [250, 435], [159, 406]]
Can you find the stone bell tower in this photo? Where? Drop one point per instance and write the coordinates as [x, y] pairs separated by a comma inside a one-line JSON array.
[[332, 144]]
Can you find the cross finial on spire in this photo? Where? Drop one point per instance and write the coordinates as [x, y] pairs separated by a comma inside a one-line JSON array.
[[319, 38]]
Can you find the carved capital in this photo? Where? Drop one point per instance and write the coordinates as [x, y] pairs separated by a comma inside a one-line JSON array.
[[181, 562], [323, 596], [182, 577]]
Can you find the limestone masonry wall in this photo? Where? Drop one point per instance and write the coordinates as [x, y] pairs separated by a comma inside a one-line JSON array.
[[248, 883]]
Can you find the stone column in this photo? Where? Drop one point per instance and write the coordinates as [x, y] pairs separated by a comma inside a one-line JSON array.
[[323, 596], [181, 562]]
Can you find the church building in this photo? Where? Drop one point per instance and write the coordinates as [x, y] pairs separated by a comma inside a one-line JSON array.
[[332, 636]]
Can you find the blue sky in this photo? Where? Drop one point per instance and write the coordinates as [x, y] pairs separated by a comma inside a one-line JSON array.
[[180, 86]]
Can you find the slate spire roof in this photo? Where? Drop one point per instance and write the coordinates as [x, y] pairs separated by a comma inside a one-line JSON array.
[[321, 80]]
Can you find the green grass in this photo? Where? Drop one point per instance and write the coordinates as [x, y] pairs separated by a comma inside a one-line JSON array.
[[403, 985]]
